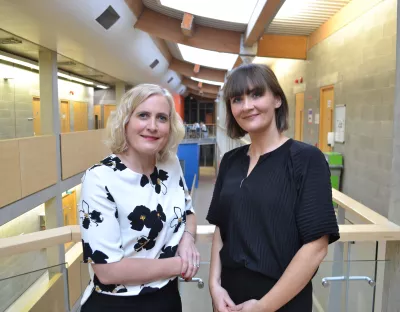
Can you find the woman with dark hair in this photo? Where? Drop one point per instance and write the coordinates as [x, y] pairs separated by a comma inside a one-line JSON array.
[[272, 204]]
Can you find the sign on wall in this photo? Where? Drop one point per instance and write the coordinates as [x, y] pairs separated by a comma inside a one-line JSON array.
[[340, 121], [310, 119]]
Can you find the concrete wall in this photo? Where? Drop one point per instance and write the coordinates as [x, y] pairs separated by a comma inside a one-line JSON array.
[[16, 100], [359, 60], [12, 288], [104, 96]]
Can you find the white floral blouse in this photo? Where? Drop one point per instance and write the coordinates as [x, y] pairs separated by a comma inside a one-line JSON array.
[[124, 214]]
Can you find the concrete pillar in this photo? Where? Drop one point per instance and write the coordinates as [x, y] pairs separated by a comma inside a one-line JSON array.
[[51, 125], [391, 298], [120, 88]]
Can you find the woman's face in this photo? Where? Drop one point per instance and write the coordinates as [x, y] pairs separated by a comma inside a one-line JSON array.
[[147, 131], [255, 111]]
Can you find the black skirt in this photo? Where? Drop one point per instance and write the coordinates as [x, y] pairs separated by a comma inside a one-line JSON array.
[[243, 284], [167, 299]]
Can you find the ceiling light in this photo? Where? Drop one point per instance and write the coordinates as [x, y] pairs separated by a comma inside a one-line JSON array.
[[15, 61], [102, 86], [207, 58], [74, 78], [215, 83], [239, 10]]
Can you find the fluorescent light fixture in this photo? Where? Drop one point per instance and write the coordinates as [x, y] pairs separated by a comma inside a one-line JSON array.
[[74, 78], [236, 11], [15, 61], [102, 86], [215, 83], [207, 58]]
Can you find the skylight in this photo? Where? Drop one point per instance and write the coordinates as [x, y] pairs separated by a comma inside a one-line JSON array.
[[237, 11], [215, 83], [207, 58]]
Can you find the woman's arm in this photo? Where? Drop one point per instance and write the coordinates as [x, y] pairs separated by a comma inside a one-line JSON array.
[[187, 249], [221, 300], [130, 271], [296, 276]]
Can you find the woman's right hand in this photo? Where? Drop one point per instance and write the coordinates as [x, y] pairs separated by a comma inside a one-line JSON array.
[[221, 300]]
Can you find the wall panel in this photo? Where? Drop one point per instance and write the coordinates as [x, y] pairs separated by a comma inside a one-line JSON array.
[[38, 163], [10, 182]]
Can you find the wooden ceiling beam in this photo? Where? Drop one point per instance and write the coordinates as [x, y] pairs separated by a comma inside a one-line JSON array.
[[136, 7], [280, 46], [196, 68], [238, 62], [262, 16], [207, 88], [186, 69], [168, 28], [204, 94], [187, 24]]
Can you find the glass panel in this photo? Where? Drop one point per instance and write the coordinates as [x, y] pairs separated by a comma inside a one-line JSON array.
[[22, 290]]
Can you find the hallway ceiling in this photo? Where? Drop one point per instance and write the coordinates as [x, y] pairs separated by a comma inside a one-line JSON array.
[[70, 28]]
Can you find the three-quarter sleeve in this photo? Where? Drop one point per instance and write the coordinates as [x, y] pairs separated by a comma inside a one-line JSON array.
[[100, 230], [315, 215], [213, 211]]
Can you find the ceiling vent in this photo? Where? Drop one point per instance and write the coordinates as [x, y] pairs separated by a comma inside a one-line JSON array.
[[66, 63], [10, 41], [170, 79], [154, 64], [108, 17]]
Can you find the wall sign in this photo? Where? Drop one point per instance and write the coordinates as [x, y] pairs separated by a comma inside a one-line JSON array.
[[310, 116], [316, 119], [340, 122]]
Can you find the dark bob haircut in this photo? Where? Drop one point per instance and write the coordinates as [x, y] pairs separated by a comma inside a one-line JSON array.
[[249, 77]]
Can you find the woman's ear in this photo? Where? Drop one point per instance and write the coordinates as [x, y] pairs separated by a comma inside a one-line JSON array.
[[278, 102]]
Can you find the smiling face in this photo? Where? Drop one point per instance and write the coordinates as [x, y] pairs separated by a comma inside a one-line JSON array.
[[148, 129], [255, 111]]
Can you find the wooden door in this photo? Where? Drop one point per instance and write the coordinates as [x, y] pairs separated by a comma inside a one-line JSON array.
[[97, 116], [326, 117], [299, 117], [69, 209], [36, 116], [80, 116], [107, 112], [64, 116]]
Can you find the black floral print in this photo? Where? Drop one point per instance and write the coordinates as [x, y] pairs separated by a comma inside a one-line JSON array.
[[157, 179], [109, 196], [144, 243], [181, 183], [153, 220], [111, 288], [147, 290], [178, 220], [111, 161], [93, 257], [168, 252], [116, 213], [90, 216]]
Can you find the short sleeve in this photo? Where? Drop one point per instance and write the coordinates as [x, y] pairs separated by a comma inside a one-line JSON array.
[[213, 215], [99, 224], [315, 214]]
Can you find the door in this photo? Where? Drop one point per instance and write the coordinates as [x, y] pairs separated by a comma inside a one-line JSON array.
[[80, 116], [97, 116], [70, 213], [326, 117], [108, 109], [299, 117], [64, 116], [36, 116]]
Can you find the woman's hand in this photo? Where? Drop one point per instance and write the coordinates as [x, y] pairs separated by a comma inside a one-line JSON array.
[[190, 256], [221, 300], [249, 306]]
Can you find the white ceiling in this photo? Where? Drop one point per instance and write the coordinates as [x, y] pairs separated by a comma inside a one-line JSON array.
[[69, 27]]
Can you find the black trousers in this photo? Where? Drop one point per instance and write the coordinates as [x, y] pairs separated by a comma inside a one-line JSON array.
[[243, 284], [167, 299]]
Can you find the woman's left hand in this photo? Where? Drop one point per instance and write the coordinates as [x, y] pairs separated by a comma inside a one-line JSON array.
[[190, 256], [248, 306]]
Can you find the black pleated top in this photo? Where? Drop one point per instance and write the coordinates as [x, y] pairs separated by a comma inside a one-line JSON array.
[[284, 203]]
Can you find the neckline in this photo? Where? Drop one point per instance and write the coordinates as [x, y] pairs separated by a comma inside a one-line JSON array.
[[275, 151], [129, 169]]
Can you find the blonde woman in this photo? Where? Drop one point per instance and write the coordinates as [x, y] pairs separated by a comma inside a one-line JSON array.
[[137, 221]]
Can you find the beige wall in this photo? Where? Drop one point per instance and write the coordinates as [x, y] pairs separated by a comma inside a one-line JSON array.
[[359, 60], [16, 100]]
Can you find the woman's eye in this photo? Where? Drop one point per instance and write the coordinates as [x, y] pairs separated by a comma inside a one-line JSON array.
[[143, 115], [256, 95], [163, 118], [236, 100]]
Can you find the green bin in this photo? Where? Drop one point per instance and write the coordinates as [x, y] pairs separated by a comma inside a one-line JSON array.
[[335, 161]]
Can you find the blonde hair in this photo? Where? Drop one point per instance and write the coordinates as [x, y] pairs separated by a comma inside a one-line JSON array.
[[116, 136]]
